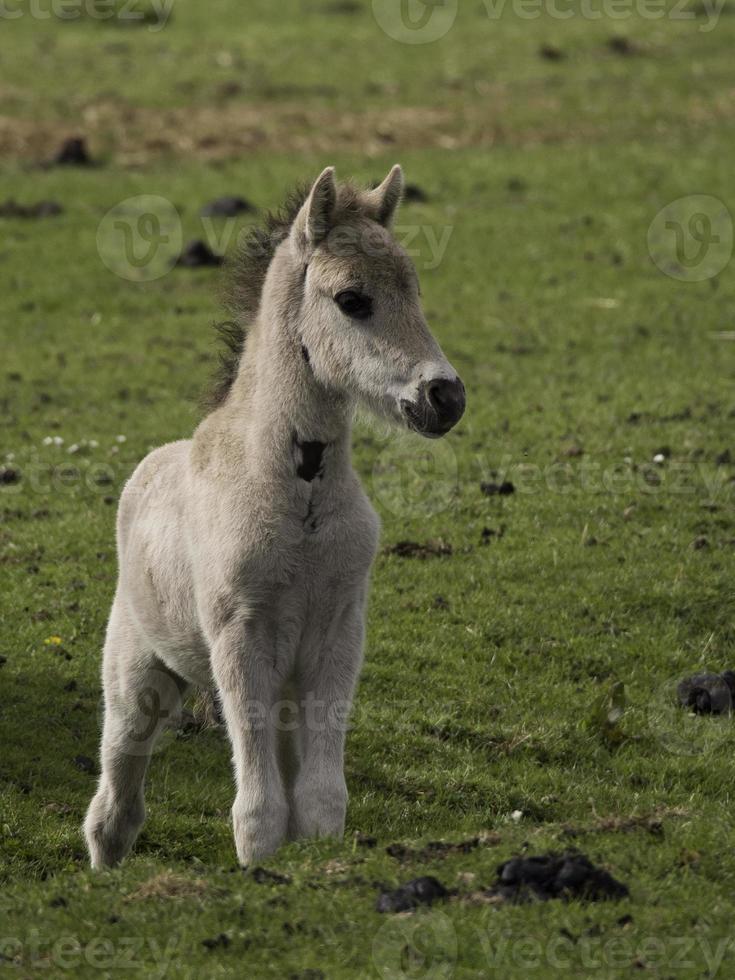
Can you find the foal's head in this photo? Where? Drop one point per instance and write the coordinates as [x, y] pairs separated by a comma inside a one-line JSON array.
[[359, 316]]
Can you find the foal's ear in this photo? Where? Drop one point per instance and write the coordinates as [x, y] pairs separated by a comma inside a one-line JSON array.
[[314, 220], [386, 198]]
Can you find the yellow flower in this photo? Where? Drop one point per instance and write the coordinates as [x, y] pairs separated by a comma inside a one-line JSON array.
[[55, 641]]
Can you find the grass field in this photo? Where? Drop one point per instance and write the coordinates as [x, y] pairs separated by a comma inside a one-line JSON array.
[[520, 689]]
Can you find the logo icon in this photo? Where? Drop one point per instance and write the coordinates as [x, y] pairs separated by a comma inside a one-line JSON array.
[[418, 947], [415, 21], [140, 238], [416, 479], [691, 239]]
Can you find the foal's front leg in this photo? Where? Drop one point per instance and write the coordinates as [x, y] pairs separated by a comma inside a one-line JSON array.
[[245, 670], [328, 674]]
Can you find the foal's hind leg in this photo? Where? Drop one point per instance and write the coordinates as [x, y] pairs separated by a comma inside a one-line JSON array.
[[141, 698]]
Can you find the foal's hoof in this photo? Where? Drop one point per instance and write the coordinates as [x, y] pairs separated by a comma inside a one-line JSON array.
[[258, 833]]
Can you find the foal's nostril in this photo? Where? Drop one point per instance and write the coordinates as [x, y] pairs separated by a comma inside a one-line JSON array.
[[447, 398], [438, 394]]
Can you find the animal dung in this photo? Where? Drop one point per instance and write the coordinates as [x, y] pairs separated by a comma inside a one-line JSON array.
[[420, 891], [415, 549], [567, 876], [73, 153], [413, 194], [226, 207], [503, 489], [708, 694], [9, 475], [619, 44], [551, 53], [84, 764], [42, 209], [198, 254]]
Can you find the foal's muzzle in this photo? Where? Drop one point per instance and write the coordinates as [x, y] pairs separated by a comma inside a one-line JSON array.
[[438, 407]]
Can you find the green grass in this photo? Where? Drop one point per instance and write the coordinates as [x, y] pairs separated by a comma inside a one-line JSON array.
[[489, 673]]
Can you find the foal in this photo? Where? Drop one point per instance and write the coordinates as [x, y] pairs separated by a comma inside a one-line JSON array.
[[244, 552]]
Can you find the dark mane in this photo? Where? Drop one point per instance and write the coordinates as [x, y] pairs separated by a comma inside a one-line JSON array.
[[245, 274]]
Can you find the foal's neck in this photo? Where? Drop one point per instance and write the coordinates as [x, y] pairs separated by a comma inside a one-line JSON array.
[[282, 412]]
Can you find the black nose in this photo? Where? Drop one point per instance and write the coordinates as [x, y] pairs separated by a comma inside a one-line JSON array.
[[447, 399]]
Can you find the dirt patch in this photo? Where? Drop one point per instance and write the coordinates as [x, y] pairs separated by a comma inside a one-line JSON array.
[[649, 822], [440, 848], [168, 886], [135, 135], [414, 549]]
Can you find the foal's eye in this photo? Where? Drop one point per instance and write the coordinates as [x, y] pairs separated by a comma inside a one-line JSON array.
[[354, 304]]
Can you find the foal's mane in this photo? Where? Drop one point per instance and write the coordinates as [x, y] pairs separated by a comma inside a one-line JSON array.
[[245, 274]]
